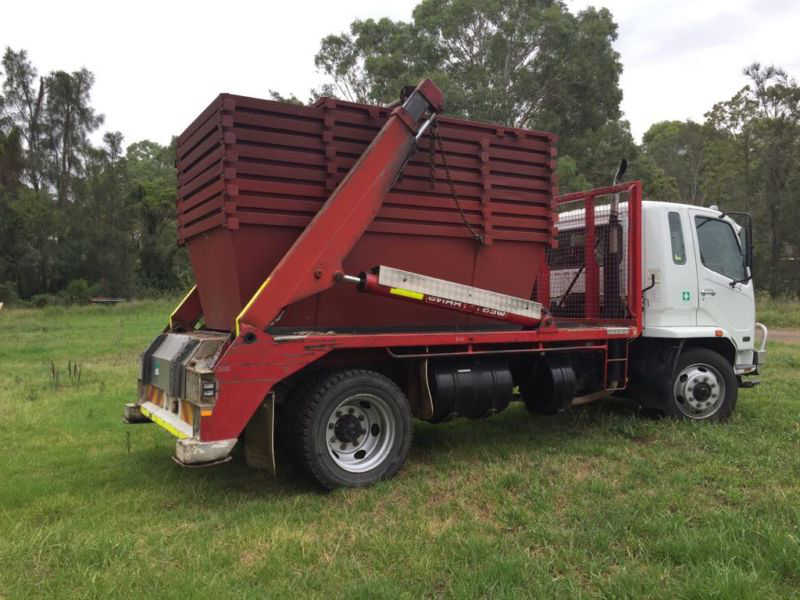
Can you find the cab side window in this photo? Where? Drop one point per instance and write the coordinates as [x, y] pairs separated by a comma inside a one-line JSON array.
[[719, 248], [676, 238]]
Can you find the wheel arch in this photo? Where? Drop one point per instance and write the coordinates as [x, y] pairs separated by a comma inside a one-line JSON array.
[[662, 354], [655, 361], [722, 346]]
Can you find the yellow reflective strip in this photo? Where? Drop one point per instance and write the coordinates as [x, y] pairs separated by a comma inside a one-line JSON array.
[[406, 293], [249, 304], [161, 422], [181, 303]]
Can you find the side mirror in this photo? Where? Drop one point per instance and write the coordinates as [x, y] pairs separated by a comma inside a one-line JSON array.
[[749, 249]]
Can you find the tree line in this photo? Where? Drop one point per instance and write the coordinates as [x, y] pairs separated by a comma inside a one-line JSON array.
[[78, 219], [535, 64], [104, 217]]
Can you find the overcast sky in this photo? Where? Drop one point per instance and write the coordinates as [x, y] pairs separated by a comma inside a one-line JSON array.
[[157, 64]]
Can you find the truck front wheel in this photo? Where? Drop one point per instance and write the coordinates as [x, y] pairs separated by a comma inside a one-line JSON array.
[[354, 428], [702, 388]]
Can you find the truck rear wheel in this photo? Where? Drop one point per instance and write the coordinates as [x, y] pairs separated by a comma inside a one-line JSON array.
[[353, 428], [703, 387]]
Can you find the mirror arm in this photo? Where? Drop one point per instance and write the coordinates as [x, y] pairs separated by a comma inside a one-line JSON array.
[[746, 280]]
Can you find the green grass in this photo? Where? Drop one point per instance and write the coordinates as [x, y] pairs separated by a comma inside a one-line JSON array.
[[596, 503], [778, 312]]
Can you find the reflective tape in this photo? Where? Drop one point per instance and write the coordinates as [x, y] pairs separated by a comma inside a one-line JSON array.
[[181, 303], [163, 423], [250, 303], [406, 293]]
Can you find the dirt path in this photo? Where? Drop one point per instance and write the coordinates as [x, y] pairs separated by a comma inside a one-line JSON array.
[[790, 336]]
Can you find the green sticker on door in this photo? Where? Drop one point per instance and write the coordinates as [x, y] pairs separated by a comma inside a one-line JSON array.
[[686, 296]]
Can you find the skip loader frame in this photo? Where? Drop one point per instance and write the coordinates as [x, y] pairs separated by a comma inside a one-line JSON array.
[[213, 388]]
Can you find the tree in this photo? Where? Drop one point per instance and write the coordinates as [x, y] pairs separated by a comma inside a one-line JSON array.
[[753, 155], [24, 216], [100, 222], [12, 160], [70, 120], [677, 148], [525, 63], [23, 106], [11, 172], [151, 175], [290, 99], [72, 214]]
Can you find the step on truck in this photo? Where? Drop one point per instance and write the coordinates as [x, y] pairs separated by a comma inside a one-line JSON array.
[[361, 266]]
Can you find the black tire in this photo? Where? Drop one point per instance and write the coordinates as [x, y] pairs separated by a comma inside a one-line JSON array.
[[703, 387], [365, 413]]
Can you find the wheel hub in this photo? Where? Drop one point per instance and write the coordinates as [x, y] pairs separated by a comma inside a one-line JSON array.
[[360, 432], [699, 391], [348, 429], [702, 391]]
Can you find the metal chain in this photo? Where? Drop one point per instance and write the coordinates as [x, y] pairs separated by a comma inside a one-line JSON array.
[[438, 140]]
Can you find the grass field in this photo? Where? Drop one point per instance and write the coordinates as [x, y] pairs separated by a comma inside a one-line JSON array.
[[778, 312], [596, 503]]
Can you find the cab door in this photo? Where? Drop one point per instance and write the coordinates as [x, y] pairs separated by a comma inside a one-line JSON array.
[[720, 262]]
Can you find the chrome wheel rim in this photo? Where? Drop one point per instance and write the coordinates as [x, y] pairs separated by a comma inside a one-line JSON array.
[[699, 391], [359, 432]]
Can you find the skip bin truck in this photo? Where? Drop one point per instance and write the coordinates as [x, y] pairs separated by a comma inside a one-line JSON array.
[[359, 266]]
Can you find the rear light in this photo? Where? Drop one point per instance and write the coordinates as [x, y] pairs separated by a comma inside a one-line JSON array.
[[209, 389]]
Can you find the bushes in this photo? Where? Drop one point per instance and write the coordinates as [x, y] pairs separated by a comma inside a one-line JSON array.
[[76, 292], [42, 300], [8, 293]]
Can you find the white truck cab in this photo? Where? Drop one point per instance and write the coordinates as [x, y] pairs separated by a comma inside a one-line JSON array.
[[698, 282], [700, 336]]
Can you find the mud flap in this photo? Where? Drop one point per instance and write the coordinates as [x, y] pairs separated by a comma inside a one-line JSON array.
[[259, 437]]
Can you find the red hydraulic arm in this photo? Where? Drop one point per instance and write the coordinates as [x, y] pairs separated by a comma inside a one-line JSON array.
[[448, 295], [315, 259]]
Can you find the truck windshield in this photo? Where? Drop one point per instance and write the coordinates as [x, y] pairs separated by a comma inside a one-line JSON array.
[[719, 248]]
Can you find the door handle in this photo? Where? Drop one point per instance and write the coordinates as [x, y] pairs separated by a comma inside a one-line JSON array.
[[708, 293]]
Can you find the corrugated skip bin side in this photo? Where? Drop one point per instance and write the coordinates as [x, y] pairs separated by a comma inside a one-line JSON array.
[[252, 174]]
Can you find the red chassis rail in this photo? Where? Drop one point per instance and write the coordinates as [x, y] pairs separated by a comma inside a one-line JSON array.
[[256, 361]]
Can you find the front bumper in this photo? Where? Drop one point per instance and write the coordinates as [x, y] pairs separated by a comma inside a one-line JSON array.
[[752, 359], [189, 451], [192, 452], [760, 355]]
